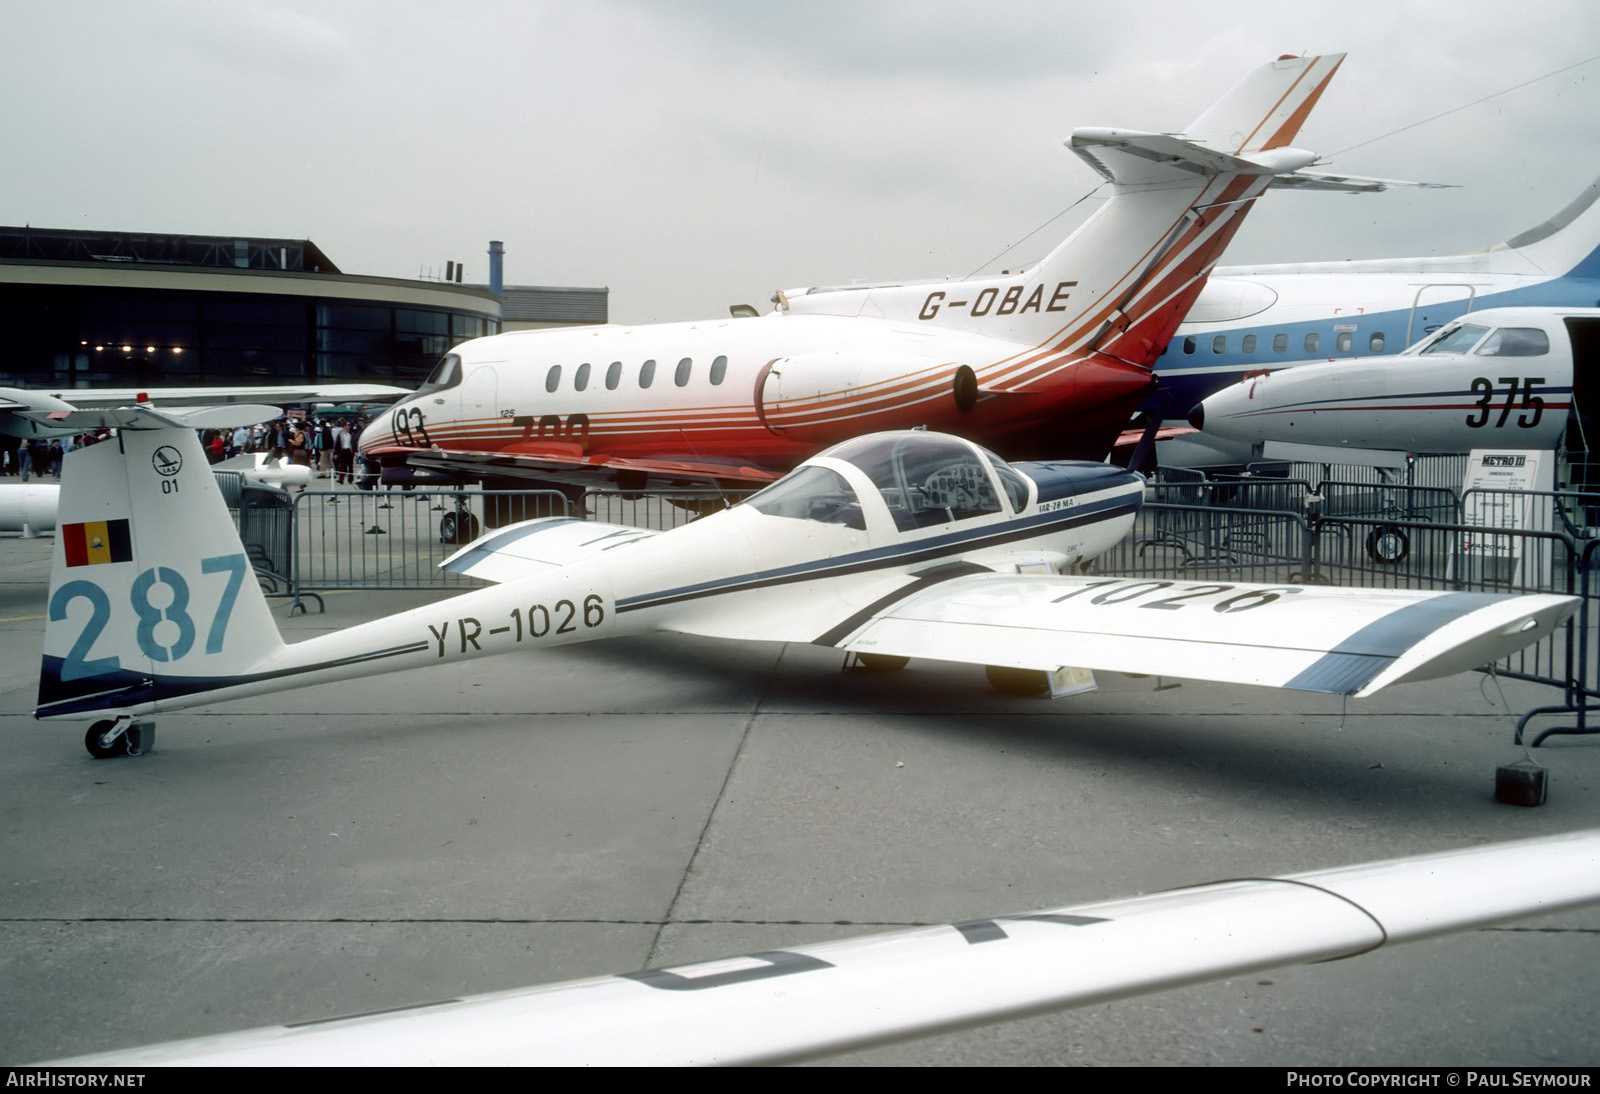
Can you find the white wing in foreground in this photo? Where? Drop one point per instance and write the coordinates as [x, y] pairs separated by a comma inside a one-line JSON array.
[[1309, 638], [814, 1000]]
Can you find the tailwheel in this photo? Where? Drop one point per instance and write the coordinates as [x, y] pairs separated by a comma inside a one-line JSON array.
[[119, 737], [1018, 681]]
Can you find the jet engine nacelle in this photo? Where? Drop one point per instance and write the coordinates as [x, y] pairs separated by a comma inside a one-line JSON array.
[[827, 396]]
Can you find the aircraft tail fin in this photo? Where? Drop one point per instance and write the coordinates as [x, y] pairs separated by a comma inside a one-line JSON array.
[[1568, 243], [1177, 200], [151, 592], [1119, 285]]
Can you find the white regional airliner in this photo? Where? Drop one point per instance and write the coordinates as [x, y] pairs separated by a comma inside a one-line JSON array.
[[1049, 361], [1255, 318]]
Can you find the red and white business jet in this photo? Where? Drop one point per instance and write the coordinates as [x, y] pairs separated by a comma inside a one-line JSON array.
[[1046, 362]]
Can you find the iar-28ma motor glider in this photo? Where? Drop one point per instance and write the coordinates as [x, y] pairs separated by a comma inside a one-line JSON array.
[[899, 544]]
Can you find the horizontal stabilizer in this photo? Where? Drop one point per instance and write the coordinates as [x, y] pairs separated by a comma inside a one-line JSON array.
[[1353, 184], [520, 550]]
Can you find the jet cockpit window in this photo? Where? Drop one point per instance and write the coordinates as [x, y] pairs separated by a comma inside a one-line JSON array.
[[1457, 340], [925, 479], [1515, 342], [447, 373], [811, 493]]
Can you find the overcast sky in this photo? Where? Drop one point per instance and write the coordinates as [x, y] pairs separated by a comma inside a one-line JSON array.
[[692, 155]]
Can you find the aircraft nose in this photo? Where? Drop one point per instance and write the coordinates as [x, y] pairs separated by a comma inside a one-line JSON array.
[[1197, 416]]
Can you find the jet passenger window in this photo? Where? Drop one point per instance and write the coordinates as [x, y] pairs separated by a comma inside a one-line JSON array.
[[552, 379], [1516, 342], [1375, 343], [647, 373], [580, 379], [1188, 344], [1345, 341], [1219, 344], [812, 493], [1312, 342], [681, 377], [1280, 343], [719, 369], [1248, 345], [613, 375]]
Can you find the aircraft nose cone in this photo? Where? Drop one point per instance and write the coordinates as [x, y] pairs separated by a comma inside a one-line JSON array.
[[1197, 416]]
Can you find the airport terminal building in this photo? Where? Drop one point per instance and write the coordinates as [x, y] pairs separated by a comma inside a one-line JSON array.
[[123, 309]]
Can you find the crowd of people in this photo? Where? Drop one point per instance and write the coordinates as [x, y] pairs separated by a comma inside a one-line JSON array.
[[39, 458], [326, 445]]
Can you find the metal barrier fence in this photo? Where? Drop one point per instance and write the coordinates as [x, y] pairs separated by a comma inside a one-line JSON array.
[[391, 539]]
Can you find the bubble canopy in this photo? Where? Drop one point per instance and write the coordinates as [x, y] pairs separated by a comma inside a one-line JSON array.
[[921, 479]]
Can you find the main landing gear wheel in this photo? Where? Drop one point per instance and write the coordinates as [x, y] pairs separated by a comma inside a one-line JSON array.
[[1018, 681], [104, 741], [458, 528], [1388, 545]]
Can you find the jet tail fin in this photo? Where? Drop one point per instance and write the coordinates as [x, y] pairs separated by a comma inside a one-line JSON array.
[[151, 593], [1568, 243]]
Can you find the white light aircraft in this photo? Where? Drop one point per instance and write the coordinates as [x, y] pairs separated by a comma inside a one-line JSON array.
[[1046, 362], [892, 545], [808, 1001], [1254, 318]]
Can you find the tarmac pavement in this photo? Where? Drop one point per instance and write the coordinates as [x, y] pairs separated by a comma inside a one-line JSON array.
[[658, 801]]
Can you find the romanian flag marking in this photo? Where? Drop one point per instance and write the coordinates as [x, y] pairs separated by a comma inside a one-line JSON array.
[[96, 542]]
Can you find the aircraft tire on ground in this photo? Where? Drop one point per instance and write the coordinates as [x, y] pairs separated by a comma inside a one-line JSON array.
[[458, 528], [91, 741], [1388, 545], [1018, 681]]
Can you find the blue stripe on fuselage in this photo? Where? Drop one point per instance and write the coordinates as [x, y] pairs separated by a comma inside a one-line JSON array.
[[1184, 379], [900, 554]]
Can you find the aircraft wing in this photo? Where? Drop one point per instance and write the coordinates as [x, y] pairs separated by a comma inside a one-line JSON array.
[[1308, 638], [809, 1001], [557, 461], [31, 413], [276, 394]]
